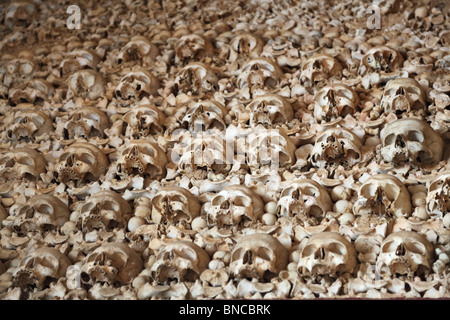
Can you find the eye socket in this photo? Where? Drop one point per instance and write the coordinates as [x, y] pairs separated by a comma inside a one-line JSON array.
[[389, 246], [309, 191], [241, 202], [264, 253], [389, 139], [110, 205], [337, 248], [415, 136], [25, 161], [186, 253], [87, 158], [309, 250], [44, 209], [415, 247]]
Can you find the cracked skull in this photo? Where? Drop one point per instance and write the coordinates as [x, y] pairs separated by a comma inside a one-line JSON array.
[[270, 109], [87, 84], [269, 148], [383, 195], [20, 14], [405, 253], [28, 125], [105, 210], [79, 59], [204, 115], [196, 77], [336, 146], [411, 140], [21, 163], [112, 263], [86, 122], [306, 200], [327, 253], [143, 121], [180, 260], [137, 85], [245, 45], [258, 256], [382, 59], [259, 73], [40, 268], [174, 204], [193, 47], [205, 152], [138, 48], [335, 101], [81, 163], [41, 212], [141, 158], [438, 197], [233, 205], [33, 91], [403, 95], [319, 68]]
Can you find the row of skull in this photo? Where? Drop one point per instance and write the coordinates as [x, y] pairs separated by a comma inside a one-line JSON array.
[[306, 200], [403, 141], [331, 102], [257, 256]]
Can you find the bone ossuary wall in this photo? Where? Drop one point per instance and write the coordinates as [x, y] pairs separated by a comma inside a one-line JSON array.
[[224, 150]]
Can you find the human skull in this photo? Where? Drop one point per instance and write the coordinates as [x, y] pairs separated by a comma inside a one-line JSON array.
[[193, 47], [259, 73], [27, 125], [327, 253], [258, 256], [143, 158], [271, 147], [17, 71], [40, 268], [86, 122], [138, 48], [270, 109], [382, 58], [319, 68], [87, 84], [334, 101], [207, 152], [405, 253], [336, 146], [112, 263], [21, 163], [403, 95], [411, 140], [180, 260], [81, 163], [204, 115], [383, 195], [144, 120], [174, 204], [77, 60], [20, 14], [232, 205], [306, 200], [438, 197], [105, 210], [137, 84], [42, 212], [196, 77], [245, 45], [32, 91]]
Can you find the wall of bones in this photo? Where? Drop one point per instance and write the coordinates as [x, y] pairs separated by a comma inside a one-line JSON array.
[[223, 150]]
